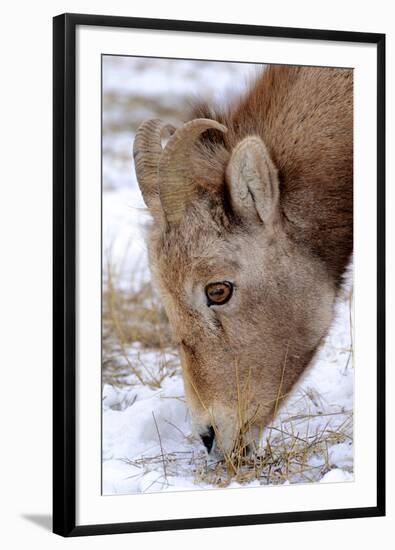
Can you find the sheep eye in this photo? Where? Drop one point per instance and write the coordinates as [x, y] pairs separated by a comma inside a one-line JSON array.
[[219, 293]]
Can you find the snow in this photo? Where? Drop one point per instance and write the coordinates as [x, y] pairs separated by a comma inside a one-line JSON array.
[[147, 440], [336, 475], [124, 218]]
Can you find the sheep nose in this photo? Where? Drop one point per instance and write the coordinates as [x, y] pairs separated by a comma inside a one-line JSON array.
[[208, 438]]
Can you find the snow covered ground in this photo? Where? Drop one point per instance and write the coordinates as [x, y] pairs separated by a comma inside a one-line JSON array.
[[147, 441]]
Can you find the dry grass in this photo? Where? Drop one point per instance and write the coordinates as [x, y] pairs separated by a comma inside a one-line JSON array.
[[131, 317], [288, 448], [284, 457]]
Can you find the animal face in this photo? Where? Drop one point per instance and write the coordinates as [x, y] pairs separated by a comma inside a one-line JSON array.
[[241, 356], [247, 306]]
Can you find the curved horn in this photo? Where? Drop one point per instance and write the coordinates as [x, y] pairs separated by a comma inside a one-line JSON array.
[[147, 150], [176, 186]]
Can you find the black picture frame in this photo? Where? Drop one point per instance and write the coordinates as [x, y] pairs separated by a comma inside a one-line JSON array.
[[64, 272]]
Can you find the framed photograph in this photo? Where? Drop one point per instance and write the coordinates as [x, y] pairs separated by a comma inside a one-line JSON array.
[[219, 274]]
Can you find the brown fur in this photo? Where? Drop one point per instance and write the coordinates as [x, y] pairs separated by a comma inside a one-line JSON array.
[[285, 247], [305, 117]]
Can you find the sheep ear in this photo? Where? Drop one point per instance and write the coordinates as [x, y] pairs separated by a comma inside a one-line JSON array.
[[253, 181]]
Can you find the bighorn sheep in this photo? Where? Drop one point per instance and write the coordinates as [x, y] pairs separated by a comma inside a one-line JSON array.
[[252, 233]]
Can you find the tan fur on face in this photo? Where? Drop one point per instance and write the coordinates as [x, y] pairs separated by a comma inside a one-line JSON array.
[[237, 354], [282, 235]]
